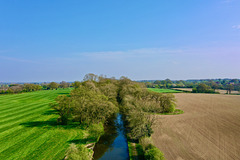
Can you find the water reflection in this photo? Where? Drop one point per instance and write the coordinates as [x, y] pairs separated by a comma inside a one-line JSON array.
[[113, 144]]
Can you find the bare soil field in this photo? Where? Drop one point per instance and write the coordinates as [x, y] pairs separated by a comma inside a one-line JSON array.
[[209, 129]]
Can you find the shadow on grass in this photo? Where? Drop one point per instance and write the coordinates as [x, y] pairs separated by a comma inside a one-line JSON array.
[[52, 123], [50, 112], [62, 93], [83, 141]]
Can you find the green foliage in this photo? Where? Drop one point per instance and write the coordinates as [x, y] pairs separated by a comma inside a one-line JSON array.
[[97, 98], [78, 153], [96, 130], [150, 151], [76, 84], [53, 85], [153, 153], [63, 108], [90, 106], [139, 125], [86, 104], [64, 84], [145, 142], [203, 88], [229, 88], [167, 103]]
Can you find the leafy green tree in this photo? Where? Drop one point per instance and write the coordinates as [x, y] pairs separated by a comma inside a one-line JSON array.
[[214, 85], [63, 108], [90, 77], [90, 106], [64, 84], [140, 125], [76, 84], [229, 88], [202, 88], [53, 85]]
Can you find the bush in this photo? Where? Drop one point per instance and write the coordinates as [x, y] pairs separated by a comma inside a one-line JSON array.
[[96, 130], [145, 142], [153, 154], [78, 153], [139, 125], [194, 90], [168, 103]]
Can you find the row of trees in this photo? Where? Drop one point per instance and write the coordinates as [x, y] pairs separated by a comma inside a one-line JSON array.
[[203, 88], [212, 85], [97, 98], [30, 87], [136, 102]]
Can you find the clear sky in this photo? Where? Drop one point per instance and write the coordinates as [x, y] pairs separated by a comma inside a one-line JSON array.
[[55, 40]]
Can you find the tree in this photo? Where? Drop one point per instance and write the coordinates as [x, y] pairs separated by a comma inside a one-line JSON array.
[[53, 85], [76, 84], [229, 88], [140, 125], [214, 86], [64, 84], [90, 106], [90, 77], [202, 88], [63, 108]]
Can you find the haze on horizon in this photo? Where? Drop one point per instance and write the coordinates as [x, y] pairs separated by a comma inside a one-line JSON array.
[[143, 40]]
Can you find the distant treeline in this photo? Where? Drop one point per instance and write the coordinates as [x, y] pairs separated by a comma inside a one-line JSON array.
[[30, 87], [199, 86]]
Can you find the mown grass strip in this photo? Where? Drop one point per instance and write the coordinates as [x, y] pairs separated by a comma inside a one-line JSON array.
[[164, 90], [27, 133]]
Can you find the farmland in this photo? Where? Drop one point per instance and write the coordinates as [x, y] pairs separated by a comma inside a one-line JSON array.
[[164, 90], [208, 129], [28, 128]]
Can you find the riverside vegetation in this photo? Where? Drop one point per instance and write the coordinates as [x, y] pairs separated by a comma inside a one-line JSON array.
[[30, 129], [93, 101]]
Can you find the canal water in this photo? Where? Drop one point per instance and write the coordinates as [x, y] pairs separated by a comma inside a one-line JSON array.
[[113, 144]]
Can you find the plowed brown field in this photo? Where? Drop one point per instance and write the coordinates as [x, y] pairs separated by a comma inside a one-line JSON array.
[[209, 129]]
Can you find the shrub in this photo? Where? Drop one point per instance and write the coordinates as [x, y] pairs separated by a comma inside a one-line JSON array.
[[78, 153], [167, 103], [153, 154], [145, 142], [139, 125], [96, 130]]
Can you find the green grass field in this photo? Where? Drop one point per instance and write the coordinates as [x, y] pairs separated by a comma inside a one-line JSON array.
[[28, 128], [164, 90]]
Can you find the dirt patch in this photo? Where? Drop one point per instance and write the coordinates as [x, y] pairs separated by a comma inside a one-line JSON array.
[[208, 129]]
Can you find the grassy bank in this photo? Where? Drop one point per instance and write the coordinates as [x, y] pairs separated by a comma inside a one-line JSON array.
[[28, 128]]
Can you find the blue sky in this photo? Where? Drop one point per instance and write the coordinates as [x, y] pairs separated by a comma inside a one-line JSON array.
[[64, 40]]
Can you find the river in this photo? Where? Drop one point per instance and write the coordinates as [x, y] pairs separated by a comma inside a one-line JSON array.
[[113, 144]]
